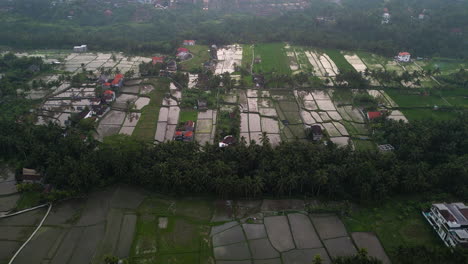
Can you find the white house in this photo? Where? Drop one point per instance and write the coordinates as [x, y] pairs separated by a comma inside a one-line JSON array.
[[450, 221], [82, 48], [404, 57], [386, 18]]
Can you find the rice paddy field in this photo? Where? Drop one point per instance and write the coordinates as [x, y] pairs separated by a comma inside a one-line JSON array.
[[273, 58], [141, 227], [146, 127], [446, 65], [340, 61]]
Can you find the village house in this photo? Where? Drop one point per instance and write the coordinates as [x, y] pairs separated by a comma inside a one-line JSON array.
[[189, 42], [227, 141], [172, 66], [183, 54], [118, 81], [30, 176], [386, 16], [373, 115], [450, 221], [317, 132], [80, 49], [202, 104], [184, 131], [108, 96], [404, 57], [157, 60]]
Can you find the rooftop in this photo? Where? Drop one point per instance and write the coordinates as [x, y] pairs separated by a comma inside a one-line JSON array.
[[454, 212]]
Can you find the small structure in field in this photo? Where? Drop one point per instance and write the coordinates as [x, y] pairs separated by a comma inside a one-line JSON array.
[[157, 60], [31, 176], [257, 60], [202, 104], [404, 57], [80, 49], [189, 42], [317, 132], [385, 16], [450, 221], [227, 141], [373, 115], [386, 148]]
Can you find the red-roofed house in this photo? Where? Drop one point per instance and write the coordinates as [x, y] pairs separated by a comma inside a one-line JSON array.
[[118, 81], [183, 53], [108, 96], [157, 60], [373, 115], [179, 50], [404, 56], [189, 42]]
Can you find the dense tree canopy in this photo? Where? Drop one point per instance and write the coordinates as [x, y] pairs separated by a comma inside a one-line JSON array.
[[353, 24], [429, 156]]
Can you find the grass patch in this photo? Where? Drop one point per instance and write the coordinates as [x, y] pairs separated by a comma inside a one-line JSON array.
[[340, 61], [188, 115], [372, 59], [273, 58], [185, 239], [247, 56], [397, 223], [228, 124], [423, 114], [411, 98], [364, 145], [200, 55], [28, 200], [146, 126], [446, 65]]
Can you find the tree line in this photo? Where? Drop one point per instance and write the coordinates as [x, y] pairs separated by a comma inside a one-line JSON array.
[[430, 156], [354, 24]]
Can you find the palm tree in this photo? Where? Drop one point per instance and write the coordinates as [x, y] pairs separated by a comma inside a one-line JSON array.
[[264, 139], [317, 259], [257, 185]]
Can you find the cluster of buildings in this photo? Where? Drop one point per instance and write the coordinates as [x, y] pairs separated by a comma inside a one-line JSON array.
[[185, 132], [450, 221]]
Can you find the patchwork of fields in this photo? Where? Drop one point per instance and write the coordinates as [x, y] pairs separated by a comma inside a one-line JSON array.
[[129, 223], [278, 111]]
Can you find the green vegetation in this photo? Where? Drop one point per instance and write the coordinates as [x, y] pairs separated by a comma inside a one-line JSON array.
[[424, 114], [445, 65], [187, 115], [273, 58], [302, 60], [28, 199], [397, 222], [228, 124], [364, 145], [146, 126], [247, 56], [200, 55], [415, 98], [340, 61], [190, 98], [182, 239], [372, 59]]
